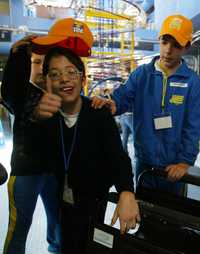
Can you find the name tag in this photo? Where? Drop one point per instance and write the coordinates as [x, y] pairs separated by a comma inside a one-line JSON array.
[[103, 238], [177, 84], [68, 193], [163, 122]]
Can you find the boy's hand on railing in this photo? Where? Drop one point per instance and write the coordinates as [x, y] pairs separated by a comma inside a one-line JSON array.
[[177, 171]]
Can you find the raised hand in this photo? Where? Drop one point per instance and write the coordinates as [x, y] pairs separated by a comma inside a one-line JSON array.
[[48, 105], [25, 41]]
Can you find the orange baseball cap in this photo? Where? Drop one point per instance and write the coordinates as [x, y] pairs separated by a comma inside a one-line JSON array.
[[178, 27], [67, 33]]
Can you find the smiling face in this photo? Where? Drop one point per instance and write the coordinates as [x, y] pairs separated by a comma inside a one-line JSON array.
[[65, 79]]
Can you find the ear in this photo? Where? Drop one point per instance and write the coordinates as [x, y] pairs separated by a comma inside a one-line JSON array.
[[188, 45], [84, 81]]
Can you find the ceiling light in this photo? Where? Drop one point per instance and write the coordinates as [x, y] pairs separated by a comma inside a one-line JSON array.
[[53, 3]]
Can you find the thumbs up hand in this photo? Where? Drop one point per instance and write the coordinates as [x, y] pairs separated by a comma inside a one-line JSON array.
[[48, 105]]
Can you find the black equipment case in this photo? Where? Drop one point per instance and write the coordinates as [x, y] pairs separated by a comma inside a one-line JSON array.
[[169, 225]]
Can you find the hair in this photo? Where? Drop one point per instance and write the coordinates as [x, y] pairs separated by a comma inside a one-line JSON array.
[[69, 54], [167, 36]]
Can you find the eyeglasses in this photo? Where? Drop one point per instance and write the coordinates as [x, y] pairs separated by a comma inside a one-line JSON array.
[[69, 72]]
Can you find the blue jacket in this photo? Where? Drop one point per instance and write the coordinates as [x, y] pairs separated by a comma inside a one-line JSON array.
[[144, 89]]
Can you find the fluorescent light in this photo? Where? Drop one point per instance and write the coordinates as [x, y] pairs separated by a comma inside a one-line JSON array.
[[53, 3]]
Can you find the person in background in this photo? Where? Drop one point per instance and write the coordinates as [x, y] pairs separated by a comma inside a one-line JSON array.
[[36, 77], [126, 122], [31, 174], [166, 100], [3, 174]]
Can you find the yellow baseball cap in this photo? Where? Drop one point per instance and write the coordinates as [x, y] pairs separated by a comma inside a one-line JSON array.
[[178, 27], [67, 33]]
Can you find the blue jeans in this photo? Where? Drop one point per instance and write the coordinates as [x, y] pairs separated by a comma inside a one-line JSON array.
[[23, 193], [126, 121]]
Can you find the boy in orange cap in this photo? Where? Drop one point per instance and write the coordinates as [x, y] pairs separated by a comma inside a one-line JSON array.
[[166, 99]]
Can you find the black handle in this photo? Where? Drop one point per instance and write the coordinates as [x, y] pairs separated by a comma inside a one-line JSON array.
[[188, 178], [113, 197]]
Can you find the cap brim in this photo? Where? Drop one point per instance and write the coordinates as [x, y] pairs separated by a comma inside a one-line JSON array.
[[47, 40], [77, 45]]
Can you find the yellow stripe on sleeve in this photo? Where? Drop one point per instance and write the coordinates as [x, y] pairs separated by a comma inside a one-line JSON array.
[[12, 213]]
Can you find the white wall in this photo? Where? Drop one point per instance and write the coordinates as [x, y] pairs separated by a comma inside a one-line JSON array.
[[188, 8]]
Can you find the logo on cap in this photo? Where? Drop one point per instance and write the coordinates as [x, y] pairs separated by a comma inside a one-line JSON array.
[[77, 28], [176, 23]]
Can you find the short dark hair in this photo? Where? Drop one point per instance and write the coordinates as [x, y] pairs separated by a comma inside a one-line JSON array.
[[69, 54], [168, 36]]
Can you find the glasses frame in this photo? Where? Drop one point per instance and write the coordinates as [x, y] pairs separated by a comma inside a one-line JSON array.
[[65, 73]]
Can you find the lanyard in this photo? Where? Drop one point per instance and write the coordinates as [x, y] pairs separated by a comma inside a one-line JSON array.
[[164, 91], [164, 85], [65, 157]]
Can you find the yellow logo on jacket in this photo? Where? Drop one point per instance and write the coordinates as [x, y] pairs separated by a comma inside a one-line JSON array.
[[177, 99]]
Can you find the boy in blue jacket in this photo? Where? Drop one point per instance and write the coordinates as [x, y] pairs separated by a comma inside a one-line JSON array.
[[166, 100]]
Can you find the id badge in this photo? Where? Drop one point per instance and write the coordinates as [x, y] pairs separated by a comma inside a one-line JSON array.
[[68, 193], [163, 122]]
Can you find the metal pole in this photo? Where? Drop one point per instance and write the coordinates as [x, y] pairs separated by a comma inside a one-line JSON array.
[[10, 18]]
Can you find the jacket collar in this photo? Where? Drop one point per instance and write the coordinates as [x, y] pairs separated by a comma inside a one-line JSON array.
[[182, 71]]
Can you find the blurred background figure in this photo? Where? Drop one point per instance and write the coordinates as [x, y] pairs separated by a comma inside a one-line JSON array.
[[3, 174], [126, 122]]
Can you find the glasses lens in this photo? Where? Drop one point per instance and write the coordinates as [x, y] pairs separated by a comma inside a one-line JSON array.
[[71, 73], [54, 75]]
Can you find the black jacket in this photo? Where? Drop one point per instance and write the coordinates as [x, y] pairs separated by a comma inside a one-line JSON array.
[[97, 158]]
